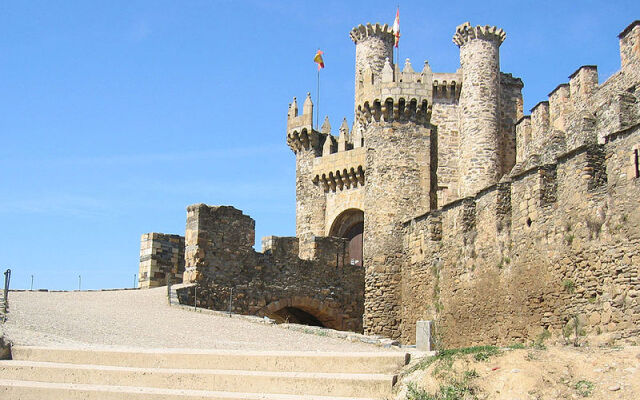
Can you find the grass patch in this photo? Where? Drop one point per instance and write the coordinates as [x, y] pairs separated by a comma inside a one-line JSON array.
[[445, 357], [569, 238], [455, 390], [569, 285], [584, 388], [542, 337], [458, 385]]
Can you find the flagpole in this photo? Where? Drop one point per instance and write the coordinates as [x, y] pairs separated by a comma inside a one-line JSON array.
[[318, 99]]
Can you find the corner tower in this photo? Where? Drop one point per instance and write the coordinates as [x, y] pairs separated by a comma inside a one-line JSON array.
[[479, 161], [306, 143]]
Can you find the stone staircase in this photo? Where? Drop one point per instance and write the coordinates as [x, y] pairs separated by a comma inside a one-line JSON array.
[[37, 373]]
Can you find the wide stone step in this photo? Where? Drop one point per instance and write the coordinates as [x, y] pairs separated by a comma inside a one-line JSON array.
[[31, 390], [354, 362], [294, 383]]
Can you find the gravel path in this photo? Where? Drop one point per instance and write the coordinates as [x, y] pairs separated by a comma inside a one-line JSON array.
[[142, 318]]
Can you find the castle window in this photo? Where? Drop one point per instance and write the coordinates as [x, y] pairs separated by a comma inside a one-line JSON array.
[[636, 162]]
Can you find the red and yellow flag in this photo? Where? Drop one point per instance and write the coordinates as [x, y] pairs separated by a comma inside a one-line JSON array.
[[396, 27], [318, 59]]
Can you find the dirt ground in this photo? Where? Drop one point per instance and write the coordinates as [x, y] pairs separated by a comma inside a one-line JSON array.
[[554, 372]]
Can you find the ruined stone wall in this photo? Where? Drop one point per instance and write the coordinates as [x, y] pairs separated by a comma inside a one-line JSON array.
[[557, 241], [227, 270], [161, 258]]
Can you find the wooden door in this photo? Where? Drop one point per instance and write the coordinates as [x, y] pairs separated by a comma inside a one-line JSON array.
[[354, 235]]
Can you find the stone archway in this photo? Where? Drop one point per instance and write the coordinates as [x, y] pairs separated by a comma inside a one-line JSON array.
[[350, 225], [305, 310]]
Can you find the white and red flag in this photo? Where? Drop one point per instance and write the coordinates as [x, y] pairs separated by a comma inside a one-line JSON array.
[[396, 27], [318, 59]]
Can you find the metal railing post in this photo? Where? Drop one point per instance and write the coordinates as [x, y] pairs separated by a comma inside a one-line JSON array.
[[5, 302], [169, 289]]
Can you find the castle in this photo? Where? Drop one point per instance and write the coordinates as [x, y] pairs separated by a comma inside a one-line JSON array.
[[442, 202]]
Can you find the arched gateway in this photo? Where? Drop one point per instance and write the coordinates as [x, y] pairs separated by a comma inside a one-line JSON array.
[[350, 225]]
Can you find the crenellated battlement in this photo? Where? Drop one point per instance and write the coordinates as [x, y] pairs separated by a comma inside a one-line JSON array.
[[391, 81], [446, 85], [465, 33], [363, 32], [582, 111]]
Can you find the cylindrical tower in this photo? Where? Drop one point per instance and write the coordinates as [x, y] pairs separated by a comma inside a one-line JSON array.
[[374, 44], [395, 123], [479, 106]]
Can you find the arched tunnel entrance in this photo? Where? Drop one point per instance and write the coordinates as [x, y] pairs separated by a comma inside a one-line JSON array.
[[307, 311], [350, 225], [295, 315]]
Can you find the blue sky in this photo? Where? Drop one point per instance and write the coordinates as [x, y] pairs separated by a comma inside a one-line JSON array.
[[116, 115]]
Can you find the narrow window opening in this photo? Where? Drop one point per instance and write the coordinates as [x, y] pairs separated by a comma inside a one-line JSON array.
[[636, 162]]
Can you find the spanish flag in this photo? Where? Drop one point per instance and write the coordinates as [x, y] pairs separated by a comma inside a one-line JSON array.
[[396, 27], [318, 59]]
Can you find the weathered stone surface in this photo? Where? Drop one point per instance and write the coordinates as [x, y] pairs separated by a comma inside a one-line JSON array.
[[275, 283], [161, 259]]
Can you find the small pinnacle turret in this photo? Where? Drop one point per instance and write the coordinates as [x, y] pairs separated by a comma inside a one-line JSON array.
[[293, 108], [307, 107], [326, 126], [407, 67]]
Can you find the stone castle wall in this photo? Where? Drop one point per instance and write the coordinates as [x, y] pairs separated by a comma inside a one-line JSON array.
[[221, 260], [161, 259], [558, 238], [528, 255]]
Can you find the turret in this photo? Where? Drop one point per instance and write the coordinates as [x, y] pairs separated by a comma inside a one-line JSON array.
[[300, 132], [479, 106], [374, 44]]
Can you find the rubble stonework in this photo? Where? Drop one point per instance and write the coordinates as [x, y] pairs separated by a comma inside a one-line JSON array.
[[447, 203], [276, 283]]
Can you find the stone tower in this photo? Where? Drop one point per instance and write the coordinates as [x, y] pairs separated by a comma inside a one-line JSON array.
[[480, 152], [393, 111]]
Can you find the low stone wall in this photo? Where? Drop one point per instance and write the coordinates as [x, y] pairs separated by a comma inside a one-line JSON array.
[[231, 275], [161, 258], [556, 242]]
